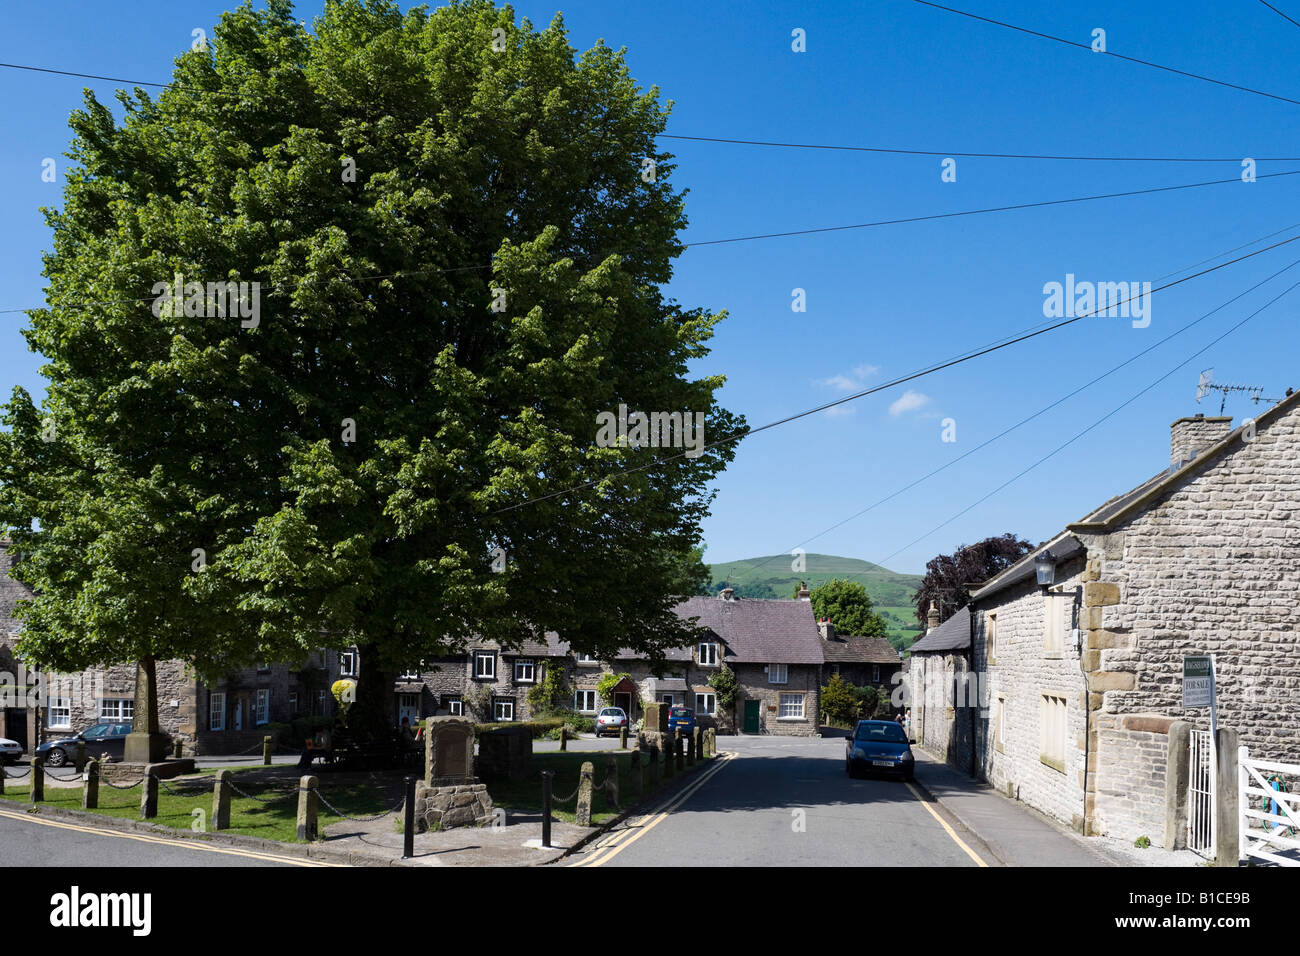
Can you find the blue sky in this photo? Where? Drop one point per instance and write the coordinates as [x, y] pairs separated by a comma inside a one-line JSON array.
[[886, 301]]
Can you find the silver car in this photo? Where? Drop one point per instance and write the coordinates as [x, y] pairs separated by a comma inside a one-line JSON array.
[[10, 750], [610, 721]]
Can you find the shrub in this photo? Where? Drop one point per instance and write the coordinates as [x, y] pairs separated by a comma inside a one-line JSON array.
[[838, 701]]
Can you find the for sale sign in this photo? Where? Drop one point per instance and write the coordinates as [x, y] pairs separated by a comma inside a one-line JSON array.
[[1198, 682]]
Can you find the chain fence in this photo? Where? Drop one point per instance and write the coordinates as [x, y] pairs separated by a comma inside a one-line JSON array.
[[16, 776], [347, 816], [253, 796]]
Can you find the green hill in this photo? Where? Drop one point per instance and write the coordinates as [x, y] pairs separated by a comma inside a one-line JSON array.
[[770, 576]]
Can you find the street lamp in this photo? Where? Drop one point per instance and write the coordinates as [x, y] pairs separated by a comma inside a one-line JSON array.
[[1045, 568]]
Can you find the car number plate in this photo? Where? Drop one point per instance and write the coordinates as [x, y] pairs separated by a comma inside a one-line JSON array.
[[882, 763]]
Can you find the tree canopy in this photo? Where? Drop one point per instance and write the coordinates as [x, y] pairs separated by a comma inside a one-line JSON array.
[[947, 575], [459, 227], [848, 606]]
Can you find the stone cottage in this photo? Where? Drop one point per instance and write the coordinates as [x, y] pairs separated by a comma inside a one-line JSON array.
[[1084, 674], [939, 687]]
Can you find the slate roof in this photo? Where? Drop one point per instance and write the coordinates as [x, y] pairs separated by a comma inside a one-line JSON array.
[[859, 650], [754, 630], [952, 635]]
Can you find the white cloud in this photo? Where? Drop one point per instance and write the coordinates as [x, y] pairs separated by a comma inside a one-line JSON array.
[[909, 401], [866, 371], [840, 383], [852, 382], [835, 411]]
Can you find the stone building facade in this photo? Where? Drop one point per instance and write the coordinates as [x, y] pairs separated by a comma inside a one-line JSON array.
[[1203, 558]]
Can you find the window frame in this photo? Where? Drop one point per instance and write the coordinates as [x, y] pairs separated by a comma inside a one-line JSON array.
[[530, 663], [124, 704], [578, 692], [784, 672], [781, 705], [1054, 720], [497, 704], [713, 653], [349, 663], [1054, 631], [485, 656], [710, 701], [991, 638], [1000, 724], [62, 705], [217, 697], [455, 704], [262, 706]]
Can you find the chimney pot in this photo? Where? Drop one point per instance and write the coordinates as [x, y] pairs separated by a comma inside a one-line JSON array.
[[1190, 436], [932, 618]]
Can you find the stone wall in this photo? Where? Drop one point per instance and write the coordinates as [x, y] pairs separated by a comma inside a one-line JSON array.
[[941, 718], [803, 678], [1132, 754]]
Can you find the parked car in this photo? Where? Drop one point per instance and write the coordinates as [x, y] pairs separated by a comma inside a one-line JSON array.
[[683, 719], [10, 750], [878, 746], [100, 739], [610, 720]]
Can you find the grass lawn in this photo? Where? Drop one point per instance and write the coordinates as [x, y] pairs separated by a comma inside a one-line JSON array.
[[527, 794], [273, 821]]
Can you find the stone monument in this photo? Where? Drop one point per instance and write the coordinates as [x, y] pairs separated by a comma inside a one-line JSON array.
[[450, 795]]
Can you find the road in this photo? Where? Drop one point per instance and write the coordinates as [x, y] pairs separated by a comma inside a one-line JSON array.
[[789, 802], [31, 840]]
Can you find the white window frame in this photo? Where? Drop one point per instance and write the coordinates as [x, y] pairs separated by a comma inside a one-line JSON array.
[[499, 713], [666, 699], [991, 638], [1053, 723], [1000, 723], [455, 706], [708, 653], [488, 673], [217, 708], [409, 675], [875, 673], [581, 697], [787, 702], [58, 714], [348, 663], [531, 666], [588, 660], [262, 707], [706, 704], [123, 712], [778, 673]]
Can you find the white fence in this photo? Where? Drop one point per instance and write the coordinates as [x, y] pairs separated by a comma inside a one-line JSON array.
[[1201, 787], [1268, 795]]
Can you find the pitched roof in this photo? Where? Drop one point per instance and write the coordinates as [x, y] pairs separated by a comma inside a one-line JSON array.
[[859, 650], [952, 635], [758, 630], [1061, 548]]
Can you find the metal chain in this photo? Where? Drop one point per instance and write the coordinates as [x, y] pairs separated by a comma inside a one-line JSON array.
[[175, 793], [251, 796], [16, 776], [130, 786], [348, 816], [572, 796], [55, 776]]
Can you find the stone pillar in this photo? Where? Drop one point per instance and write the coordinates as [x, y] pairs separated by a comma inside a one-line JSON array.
[[307, 809], [584, 795], [1227, 802], [38, 779], [654, 767], [79, 758], [622, 737], [679, 750], [178, 748], [638, 779], [90, 786], [145, 744], [1177, 772], [699, 739], [668, 756], [611, 779], [221, 801], [564, 737], [266, 750], [713, 742], [690, 747], [149, 794]]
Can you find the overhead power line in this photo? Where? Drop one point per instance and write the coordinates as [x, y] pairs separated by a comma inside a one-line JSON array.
[[956, 154], [921, 373], [1118, 56], [414, 273], [1279, 12]]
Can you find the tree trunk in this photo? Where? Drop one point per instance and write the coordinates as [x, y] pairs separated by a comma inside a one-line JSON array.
[[373, 715]]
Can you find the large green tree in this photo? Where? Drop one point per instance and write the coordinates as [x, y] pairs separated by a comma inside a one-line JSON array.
[[460, 228], [848, 606]]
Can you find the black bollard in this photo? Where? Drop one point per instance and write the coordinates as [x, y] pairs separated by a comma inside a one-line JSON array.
[[547, 776], [408, 833]]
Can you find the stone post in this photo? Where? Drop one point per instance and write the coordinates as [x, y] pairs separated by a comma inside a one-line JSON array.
[[307, 808], [4, 775], [266, 750], [38, 779], [611, 780], [149, 794], [90, 786], [690, 747], [564, 737], [654, 767], [221, 801], [699, 742], [668, 755], [638, 778], [679, 750], [1227, 808], [584, 794], [79, 758], [1177, 772], [712, 736], [622, 737], [178, 748]]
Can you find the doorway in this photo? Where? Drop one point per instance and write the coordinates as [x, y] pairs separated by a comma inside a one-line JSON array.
[[751, 716], [16, 725], [624, 702]]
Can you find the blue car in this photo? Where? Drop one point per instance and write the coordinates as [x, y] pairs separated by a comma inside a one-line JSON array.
[[878, 746], [683, 719]]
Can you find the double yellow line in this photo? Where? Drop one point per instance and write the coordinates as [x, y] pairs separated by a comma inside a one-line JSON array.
[[184, 844], [614, 844]]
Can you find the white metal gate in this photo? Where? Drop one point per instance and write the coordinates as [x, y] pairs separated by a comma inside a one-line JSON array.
[[1200, 794], [1271, 832]]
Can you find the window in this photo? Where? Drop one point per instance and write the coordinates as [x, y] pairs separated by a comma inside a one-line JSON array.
[[1053, 724], [835, 669], [1054, 641], [348, 664], [778, 674], [525, 672], [60, 712], [706, 704], [485, 665], [262, 707], [587, 659], [708, 654], [116, 708], [293, 703], [667, 699], [584, 701], [999, 722], [991, 639], [503, 709], [791, 707], [409, 675], [321, 703], [875, 673], [216, 711], [455, 706]]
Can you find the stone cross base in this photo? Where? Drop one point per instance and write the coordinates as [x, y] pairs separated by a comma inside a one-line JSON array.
[[459, 805]]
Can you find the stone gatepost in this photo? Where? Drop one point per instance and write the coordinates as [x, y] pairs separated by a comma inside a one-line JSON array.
[[622, 737], [668, 757], [90, 786], [679, 750], [149, 794], [266, 751], [690, 747], [178, 748], [1177, 774], [79, 758], [564, 737], [638, 778], [611, 780], [38, 779], [221, 801], [699, 741], [584, 795], [1227, 809], [654, 766], [308, 807]]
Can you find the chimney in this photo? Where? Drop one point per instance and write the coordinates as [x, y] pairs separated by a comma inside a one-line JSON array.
[[804, 593], [932, 619], [827, 629], [1190, 436], [727, 594]]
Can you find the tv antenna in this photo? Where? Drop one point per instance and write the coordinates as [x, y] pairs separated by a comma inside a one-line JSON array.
[[1206, 384]]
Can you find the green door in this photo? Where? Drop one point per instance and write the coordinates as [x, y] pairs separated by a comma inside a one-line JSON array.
[[751, 716]]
